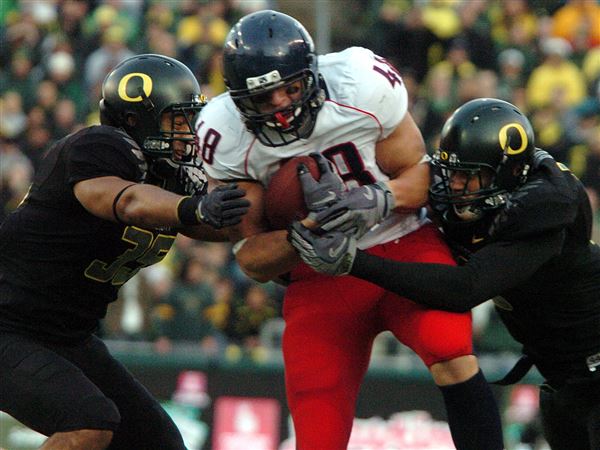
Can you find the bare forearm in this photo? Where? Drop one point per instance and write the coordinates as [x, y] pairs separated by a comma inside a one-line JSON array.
[[410, 187], [148, 206], [267, 255]]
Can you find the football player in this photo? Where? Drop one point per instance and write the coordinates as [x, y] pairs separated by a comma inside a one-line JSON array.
[[521, 224], [351, 109], [106, 201]]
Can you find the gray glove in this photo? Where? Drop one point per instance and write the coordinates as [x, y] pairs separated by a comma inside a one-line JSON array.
[[318, 195], [224, 206], [359, 210], [332, 253]]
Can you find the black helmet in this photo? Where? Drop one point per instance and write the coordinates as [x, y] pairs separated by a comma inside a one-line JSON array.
[[264, 51], [485, 138], [139, 90]]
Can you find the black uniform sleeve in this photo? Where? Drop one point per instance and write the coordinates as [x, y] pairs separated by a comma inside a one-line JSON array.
[[491, 271]]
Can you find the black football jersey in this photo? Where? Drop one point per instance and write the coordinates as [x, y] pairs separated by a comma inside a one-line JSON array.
[[536, 261], [555, 313], [60, 266]]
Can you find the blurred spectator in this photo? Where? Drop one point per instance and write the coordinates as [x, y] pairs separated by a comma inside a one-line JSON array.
[[550, 131], [201, 28], [99, 63], [14, 119], [211, 74], [64, 119], [591, 175], [16, 173], [160, 41], [475, 26], [441, 18], [591, 70], [483, 83], [62, 71], [447, 83], [20, 77], [399, 35], [438, 88], [513, 23], [109, 15], [71, 16], [34, 143], [225, 300], [578, 21], [181, 315], [511, 62], [557, 80], [248, 318]]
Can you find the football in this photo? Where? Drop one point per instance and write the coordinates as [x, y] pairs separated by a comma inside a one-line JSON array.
[[284, 199]]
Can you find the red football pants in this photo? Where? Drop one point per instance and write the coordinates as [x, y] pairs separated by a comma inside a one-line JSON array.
[[330, 326]]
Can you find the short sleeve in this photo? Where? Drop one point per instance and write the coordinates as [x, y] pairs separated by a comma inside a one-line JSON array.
[[103, 154]]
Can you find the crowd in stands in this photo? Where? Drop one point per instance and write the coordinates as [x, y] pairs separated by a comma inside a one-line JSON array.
[[541, 55]]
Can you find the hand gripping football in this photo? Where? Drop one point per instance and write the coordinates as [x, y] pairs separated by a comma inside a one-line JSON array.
[[284, 199]]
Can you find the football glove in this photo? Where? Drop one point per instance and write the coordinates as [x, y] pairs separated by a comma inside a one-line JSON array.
[[332, 253], [318, 195], [224, 206], [358, 211]]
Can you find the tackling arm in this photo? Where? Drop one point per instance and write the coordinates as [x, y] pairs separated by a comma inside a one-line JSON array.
[[118, 200], [491, 271]]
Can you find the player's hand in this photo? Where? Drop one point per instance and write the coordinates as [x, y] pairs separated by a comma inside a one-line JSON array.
[[224, 206], [332, 253], [318, 195], [358, 211]]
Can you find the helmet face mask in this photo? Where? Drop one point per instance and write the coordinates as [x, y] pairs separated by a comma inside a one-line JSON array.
[[137, 95], [284, 125], [263, 52], [478, 195], [175, 139], [489, 145]]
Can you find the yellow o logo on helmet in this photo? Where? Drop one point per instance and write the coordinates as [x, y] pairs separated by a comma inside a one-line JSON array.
[[503, 138], [146, 86]]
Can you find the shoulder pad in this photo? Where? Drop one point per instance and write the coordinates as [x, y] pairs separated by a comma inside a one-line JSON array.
[[363, 80], [547, 202]]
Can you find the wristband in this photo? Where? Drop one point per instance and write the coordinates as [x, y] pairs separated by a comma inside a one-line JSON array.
[[187, 211]]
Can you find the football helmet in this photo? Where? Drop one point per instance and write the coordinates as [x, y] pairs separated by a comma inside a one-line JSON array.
[[264, 51], [487, 139], [137, 92]]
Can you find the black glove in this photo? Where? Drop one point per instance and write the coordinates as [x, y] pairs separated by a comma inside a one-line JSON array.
[[223, 206], [318, 195], [332, 253]]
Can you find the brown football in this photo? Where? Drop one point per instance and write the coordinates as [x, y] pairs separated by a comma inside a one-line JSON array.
[[284, 199]]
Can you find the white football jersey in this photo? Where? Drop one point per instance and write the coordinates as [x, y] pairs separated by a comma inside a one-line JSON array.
[[366, 100]]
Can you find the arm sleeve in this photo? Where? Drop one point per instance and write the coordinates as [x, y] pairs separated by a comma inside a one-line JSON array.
[[490, 271]]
